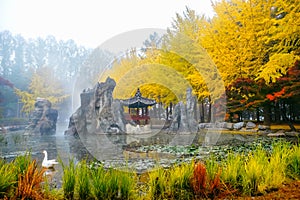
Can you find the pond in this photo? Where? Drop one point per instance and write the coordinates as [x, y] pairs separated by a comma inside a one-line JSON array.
[[140, 152]]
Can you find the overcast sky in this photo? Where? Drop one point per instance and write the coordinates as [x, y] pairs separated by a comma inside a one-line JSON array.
[[91, 22]]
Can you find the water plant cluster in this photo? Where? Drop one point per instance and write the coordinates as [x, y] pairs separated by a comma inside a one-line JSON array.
[[238, 173]]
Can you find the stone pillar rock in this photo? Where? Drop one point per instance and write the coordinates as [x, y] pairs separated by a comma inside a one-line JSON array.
[[99, 112], [43, 119]]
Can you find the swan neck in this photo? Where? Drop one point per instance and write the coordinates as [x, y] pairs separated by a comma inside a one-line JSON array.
[[46, 156]]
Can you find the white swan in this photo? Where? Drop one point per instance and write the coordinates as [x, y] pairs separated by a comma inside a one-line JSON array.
[[48, 163]]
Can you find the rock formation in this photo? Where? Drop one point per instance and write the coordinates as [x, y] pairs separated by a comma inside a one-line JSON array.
[[98, 112], [184, 115], [43, 119]]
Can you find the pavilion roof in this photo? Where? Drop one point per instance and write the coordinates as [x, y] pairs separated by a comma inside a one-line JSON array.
[[138, 101]]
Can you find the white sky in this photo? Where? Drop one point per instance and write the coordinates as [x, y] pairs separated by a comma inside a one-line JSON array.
[[91, 22]]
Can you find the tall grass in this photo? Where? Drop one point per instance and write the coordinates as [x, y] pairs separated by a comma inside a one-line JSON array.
[[276, 168], [126, 182], [158, 180], [253, 172], [293, 165], [69, 179], [233, 169], [112, 184], [83, 180], [7, 178], [261, 170], [265, 170], [99, 188], [21, 163], [180, 181]]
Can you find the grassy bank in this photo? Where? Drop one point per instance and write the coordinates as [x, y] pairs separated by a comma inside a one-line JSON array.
[[237, 174]]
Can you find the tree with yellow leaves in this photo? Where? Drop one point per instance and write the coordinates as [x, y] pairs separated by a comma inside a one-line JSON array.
[[254, 40], [45, 85]]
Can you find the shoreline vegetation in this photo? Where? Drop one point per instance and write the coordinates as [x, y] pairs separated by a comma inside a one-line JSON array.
[[252, 171]]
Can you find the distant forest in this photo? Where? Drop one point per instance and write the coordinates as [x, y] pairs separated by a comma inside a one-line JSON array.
[[242, 64], [57, 61]]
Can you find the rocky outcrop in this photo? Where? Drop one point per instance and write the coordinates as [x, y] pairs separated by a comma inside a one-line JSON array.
[[43, 119], [98, 112], [184, 115]]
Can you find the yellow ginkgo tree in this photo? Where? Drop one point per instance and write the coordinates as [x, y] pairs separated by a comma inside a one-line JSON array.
[[43, 85]]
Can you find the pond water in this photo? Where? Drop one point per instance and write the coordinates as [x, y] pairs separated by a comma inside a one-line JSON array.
[[138, 151], [116, 150]]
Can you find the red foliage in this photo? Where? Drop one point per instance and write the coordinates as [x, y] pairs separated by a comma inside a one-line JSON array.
[[270, 97], [202, 185], [199, 179], [276, 95]]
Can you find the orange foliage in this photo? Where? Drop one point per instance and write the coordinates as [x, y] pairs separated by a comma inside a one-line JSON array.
[[201, 184], [29, 183]]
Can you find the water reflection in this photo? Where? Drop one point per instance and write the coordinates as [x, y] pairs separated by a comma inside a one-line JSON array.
[[111, 149]]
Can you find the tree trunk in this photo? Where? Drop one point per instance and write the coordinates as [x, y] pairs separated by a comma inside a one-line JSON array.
[[287, 120], [257, 115], [267, 115], [202, 112], [167, 113], [195, 110], [209, 111]]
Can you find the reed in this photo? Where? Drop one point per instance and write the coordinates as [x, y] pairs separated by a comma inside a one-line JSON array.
[[199, 180]]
